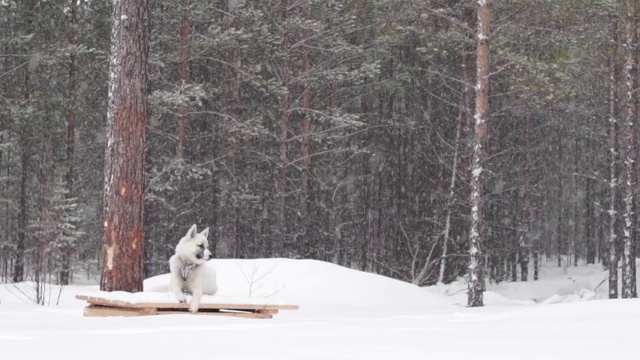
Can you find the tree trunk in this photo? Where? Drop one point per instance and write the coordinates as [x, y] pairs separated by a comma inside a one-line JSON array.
[[25, 159], [614, 169], [480, 137], [122, 261], [575, 247], [588, 224], [4, 124], [285, 104], [629, 233], [462, 120], [527, 213], [64, 277], [560, 224], [307, 219], [184, 78], [536, 253], [305, 125]]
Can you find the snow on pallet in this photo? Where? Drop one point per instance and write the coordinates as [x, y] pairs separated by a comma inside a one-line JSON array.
[[99, 306]]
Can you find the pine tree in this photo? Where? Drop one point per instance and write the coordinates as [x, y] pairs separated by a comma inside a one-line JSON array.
[[477, 234], [122, 267], [65, 232], [72, 119], [614, 158]]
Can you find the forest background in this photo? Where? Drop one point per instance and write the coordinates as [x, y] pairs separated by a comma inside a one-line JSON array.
[[332, 130]]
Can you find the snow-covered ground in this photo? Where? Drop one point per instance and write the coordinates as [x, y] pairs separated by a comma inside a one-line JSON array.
[[344, 314]]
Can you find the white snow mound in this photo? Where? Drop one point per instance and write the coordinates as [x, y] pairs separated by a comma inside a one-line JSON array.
[[305, 283]]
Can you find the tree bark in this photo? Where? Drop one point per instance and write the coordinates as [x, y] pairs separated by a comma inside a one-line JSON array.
[[305, 125], [25, 163], [588, 224], [559, 226], [629, 233], [459, 140], [284, 104], [185, 29], [614, 168], [575, 247], [122, 255], [527, 209], [476, 234], [64, 277]]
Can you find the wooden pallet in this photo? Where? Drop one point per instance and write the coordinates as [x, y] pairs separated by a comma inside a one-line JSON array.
[[107, 307]]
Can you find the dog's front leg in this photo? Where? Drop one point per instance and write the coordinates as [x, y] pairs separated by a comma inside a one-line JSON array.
[[195, 300], [176, 287], [176, 284], [194, 284]]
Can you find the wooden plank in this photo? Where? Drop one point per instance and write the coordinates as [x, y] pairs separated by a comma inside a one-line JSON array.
[[249, 315], [269, 311], [106, 311], [124, 304], [107, 302], [103, 311]]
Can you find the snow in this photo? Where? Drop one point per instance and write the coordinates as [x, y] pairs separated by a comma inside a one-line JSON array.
[[344, 314]]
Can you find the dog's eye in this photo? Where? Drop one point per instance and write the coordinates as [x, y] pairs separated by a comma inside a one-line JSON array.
[[201, 246]]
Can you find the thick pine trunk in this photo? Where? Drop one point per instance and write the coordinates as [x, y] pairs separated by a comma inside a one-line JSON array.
[[122, 255], [614, 169], [476, 234], [629, 233]]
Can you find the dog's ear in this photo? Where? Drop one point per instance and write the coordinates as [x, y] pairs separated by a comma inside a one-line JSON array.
[[205, 233], [192, 232]]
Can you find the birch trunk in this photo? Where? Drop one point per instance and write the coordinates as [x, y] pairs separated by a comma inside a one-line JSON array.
[[631, 77]]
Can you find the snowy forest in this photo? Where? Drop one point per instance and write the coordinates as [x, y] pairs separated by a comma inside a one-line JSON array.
[[334, 130]]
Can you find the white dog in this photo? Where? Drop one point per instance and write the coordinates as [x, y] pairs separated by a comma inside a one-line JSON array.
[[189, 270]]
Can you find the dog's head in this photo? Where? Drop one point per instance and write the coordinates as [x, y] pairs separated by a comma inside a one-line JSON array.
[[194, 246]]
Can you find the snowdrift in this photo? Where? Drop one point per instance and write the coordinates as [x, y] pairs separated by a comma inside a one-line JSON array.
[[307, 283]]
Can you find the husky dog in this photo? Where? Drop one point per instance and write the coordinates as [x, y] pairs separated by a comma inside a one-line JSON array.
[[189, 270]]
